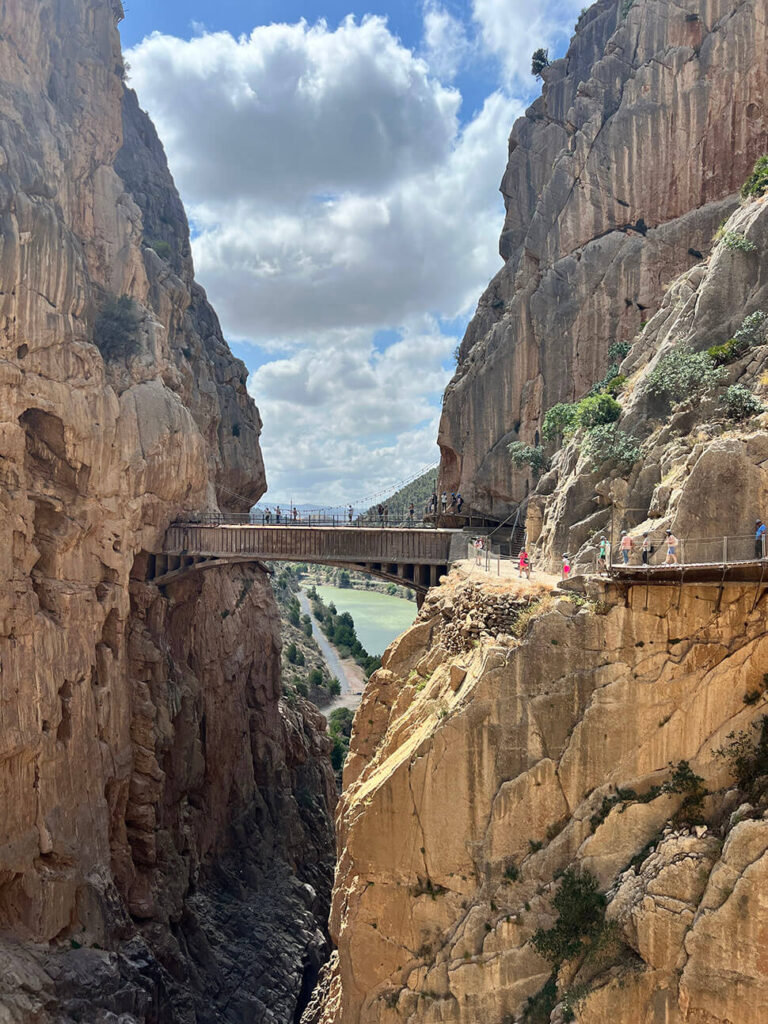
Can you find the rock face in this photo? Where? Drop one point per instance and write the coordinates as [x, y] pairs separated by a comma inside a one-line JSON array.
[[477, 776], [165, 843], [618, 177]]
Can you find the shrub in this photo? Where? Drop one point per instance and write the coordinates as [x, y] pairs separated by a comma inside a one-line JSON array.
[[581, 909], [721, 355], [740, 403], [757, 183], [163, 249], [681, 374], [527, 455], [752, 329], [290, 653], [736, 241], [116, 331], [511, 871], [747, 754], [685, 780], [607, 443], [615, 384], [302, 689], [618, 351], [334, 687], [558, 421], [316, 677], [539, 61], [596, 410]]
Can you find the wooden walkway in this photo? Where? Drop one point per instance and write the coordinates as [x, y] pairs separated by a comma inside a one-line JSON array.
[[414, 558], [755, 571]]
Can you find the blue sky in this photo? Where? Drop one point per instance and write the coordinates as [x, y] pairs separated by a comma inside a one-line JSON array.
[[340, 165]]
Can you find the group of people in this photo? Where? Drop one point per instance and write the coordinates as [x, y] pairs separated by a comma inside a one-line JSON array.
[[446, 503], [647, 548]]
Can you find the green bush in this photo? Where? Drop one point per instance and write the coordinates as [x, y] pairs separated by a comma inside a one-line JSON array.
[[558, 421], [607, 443], [581, 909], [618, 351], [596, 410], [334, 687], [615, 384], [316, 677], [757, 183], [290, 653], [752, 329], [163, 249], [747, 755], [682, 374], [740, 403], [684, 780], [736, 241], [527, 455], [721, 355], [302, 689], [116, 331]]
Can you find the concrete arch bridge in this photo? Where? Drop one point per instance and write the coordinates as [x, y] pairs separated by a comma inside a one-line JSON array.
[[414, 557]]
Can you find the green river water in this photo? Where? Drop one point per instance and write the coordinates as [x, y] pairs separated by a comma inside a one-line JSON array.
[[379, 618]]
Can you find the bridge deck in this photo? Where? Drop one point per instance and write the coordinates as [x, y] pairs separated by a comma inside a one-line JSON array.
[[302, 543], [752, 571]]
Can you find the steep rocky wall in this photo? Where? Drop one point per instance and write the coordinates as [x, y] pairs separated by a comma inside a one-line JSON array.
[[483, 765], [618, 176], [152, 791]]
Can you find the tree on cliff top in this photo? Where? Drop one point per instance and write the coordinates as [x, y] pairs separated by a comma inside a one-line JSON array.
[[539, 61]]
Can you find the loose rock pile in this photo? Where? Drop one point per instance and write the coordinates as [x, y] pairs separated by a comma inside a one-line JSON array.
[[472, 613]]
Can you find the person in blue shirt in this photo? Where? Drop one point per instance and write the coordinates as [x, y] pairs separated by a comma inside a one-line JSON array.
[[759, 538]]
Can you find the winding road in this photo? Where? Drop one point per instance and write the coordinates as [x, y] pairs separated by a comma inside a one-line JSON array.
[[349, 698]]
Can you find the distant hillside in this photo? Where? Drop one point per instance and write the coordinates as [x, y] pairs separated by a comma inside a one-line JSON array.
[[417, 491]]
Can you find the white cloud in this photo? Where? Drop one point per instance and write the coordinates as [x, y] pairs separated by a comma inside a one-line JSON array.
[[513, 29], [446, 45], [348, 421], [293, 111]]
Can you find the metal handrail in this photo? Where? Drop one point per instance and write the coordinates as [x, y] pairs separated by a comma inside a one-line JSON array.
[[729, 549], [304, 519]]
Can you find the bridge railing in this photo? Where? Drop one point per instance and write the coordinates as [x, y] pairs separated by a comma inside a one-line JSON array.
[[304, 518], [724, 550]]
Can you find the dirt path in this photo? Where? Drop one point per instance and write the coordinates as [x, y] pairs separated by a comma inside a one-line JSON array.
[[351, 677]]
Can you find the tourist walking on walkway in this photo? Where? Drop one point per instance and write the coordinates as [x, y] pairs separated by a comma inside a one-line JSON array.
[[267, 516], [524, 565], [566, 565], [626, 546], [759, 539], [411, 514], [295, 514], [350, 514], [459, 503], [278, 513], [602, 556], [443, 502], [433, 504], [646, 548], [672, 543]]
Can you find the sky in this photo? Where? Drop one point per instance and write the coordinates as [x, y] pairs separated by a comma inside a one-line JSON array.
[[340, 166]]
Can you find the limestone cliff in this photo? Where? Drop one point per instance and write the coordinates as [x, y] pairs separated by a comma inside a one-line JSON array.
[[618, 176], [165, 841], [501, 753]]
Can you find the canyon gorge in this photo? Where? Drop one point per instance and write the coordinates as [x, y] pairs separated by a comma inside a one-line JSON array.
[[554, 803]]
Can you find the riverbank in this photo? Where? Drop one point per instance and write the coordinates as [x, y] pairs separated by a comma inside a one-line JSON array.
[[350, 675], [379, 618]]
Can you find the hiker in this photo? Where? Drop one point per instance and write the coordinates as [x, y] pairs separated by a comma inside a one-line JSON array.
[[295, 514], [566, 565], [453, 500], [278, 513], [411, 513], [602, 557], [380, 513], [267, 516], [672, 543], [759, 539], [524, 564], [626, 544], [433, 504], [443, 501], [459, 503], [646, 548], [350, 513]]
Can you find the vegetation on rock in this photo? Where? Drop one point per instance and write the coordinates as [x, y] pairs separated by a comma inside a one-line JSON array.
[[527, 455], [756, 184], [116, 331], [683, 374], [740, 403], [539, 61], [607, 443]]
